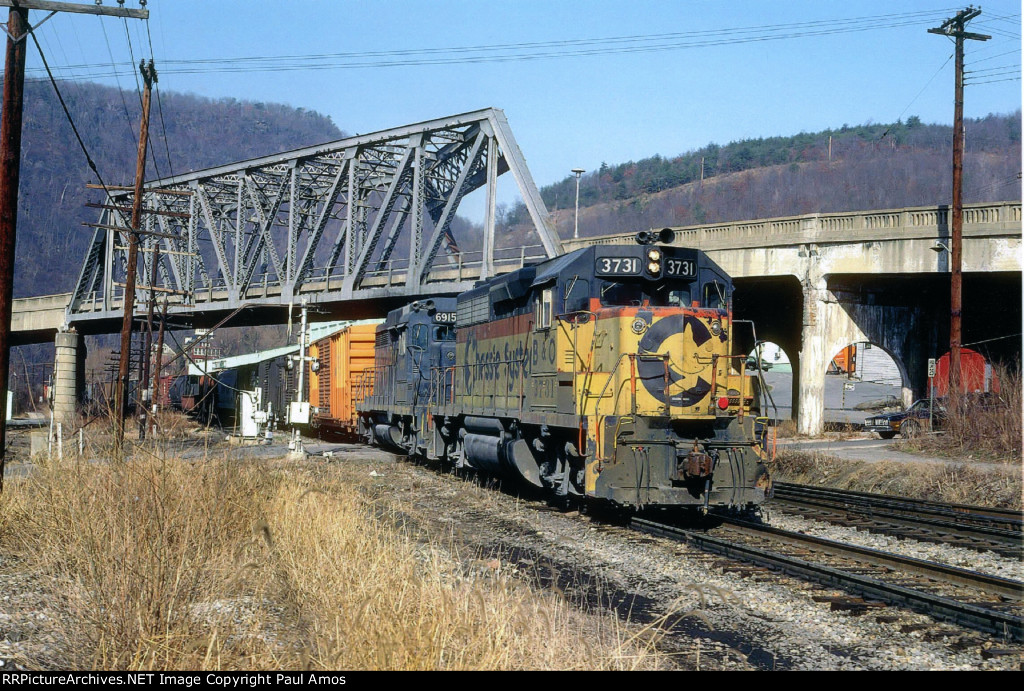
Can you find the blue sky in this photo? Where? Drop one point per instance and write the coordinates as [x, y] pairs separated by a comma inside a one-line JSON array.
[[875, 64]]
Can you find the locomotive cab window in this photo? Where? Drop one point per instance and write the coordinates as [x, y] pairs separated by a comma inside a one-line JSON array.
[[444, 332], [419, 336], [577, 295], [714, 295], [545, 307]]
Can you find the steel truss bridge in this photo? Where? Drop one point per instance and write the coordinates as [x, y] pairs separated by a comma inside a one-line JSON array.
[[365, 220]]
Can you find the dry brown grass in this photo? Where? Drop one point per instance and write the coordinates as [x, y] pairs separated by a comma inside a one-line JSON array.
[[164, 564], [786, 429], [954, 482], [174, 425], [979, 428]]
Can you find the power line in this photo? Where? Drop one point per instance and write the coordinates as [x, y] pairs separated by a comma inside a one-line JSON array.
[[993, 57], [994, 81], [160, 107], [113, 63], [71, 121], [511, 52], [991, 72], [914, 100], [998, 184]]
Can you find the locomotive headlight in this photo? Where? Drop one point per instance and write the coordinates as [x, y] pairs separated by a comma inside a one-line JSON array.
[[716, 327], [654, 255], [654, 267]]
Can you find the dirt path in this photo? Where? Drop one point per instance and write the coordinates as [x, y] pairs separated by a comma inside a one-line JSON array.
[[876, 450]]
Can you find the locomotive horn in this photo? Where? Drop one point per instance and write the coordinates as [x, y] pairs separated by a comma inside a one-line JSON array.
[[429, 305], [415, 306], [649, 237]]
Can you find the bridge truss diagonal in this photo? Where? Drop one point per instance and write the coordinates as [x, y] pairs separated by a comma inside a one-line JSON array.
[[360, 218]]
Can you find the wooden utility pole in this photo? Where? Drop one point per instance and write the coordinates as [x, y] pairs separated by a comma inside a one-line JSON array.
[[17, 30], [955, 28], [10, 172], [121, 390]]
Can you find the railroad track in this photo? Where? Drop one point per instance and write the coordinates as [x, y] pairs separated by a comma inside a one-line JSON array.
[[974, 600], [974, 527]]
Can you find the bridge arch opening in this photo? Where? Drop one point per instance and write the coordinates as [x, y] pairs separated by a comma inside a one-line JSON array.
[[863, 378], [777, 370]]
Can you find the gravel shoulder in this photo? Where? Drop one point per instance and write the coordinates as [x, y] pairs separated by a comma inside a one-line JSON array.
[[707, 612]]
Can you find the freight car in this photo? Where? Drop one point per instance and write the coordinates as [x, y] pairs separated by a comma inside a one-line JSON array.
[[338, 361], [612, 372]]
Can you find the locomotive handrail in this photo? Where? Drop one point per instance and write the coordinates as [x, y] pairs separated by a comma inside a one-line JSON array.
[[561, 319], [441, 391], [728, 379], [506, 395]]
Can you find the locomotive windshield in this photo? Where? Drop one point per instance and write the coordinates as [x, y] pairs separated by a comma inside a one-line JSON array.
[[626, 294]]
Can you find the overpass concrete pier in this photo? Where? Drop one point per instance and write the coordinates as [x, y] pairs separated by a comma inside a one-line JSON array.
[[68, 377]]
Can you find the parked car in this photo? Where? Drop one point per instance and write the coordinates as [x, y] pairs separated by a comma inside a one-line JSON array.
[[907, 423], [752, 364]]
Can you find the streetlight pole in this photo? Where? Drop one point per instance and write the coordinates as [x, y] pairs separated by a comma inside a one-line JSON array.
[[576, 227]]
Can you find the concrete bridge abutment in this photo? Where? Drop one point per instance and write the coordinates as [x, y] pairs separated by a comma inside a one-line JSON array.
[[68, 377]]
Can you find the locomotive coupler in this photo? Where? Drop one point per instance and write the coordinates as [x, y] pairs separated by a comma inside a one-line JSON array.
[[694, 465]]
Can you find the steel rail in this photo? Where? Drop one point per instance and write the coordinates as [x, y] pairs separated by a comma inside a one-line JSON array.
[[971, 527], [962, 613], [1005, 587], [1009, 517]]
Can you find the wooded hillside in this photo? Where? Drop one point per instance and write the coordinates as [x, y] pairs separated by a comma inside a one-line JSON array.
[[865, 167], [200, 133]]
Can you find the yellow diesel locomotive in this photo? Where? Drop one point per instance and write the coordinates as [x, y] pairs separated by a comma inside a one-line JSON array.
[[609, 373]]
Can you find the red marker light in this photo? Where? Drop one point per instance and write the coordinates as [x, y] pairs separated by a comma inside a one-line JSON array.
[[723, 402]]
